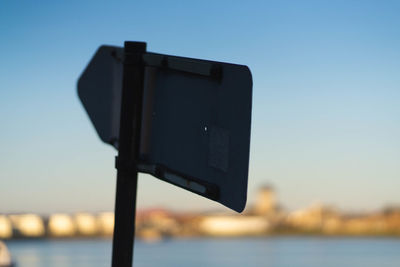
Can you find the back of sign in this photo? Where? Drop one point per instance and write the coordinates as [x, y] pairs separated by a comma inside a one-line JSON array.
[[196, 127], [100, 89]]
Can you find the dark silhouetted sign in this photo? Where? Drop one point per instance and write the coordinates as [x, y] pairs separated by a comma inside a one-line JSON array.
[[99, 89], [196, 118]]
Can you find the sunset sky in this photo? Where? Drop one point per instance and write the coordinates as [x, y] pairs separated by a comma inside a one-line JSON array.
[[326, 94]]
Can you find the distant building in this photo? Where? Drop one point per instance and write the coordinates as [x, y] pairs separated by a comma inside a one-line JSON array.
[[266, 201], [105, 222], [86, 224], [61, 225], [315, 218], [153, 224], [5, 227], [28, 225], [234, 225]]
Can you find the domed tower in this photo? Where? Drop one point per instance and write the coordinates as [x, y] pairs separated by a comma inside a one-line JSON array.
[[266, 201]]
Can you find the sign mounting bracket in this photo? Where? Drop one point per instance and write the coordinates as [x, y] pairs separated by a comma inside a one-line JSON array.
[[203, 68]]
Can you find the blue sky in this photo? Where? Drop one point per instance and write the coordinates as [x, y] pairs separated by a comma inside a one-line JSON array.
[[326, 118]]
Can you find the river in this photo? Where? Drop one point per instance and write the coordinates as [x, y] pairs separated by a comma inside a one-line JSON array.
[[248, 252]]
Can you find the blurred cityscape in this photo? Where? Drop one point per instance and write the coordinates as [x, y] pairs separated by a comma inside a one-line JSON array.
[[263, 218]]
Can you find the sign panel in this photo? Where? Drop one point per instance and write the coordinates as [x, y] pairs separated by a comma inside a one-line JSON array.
[[196, 120], [196, 128], [100, 89]]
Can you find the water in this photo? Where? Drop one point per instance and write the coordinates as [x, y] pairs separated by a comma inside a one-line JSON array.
[[274, 252]]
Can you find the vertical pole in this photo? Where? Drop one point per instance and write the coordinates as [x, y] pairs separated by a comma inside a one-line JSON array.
[[126, 162]]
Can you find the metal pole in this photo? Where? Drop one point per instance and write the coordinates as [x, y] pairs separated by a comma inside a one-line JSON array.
[[126, 162]]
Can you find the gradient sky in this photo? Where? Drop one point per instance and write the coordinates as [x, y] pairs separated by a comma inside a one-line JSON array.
[[326, 113]]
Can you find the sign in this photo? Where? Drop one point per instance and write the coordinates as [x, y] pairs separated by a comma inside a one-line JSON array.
[[196, 119], [100, 90]]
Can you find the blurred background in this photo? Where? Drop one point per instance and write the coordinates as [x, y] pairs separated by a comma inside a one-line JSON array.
[[325, 152]]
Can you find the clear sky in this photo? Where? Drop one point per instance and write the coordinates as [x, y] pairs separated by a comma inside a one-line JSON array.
[[326, 113]]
